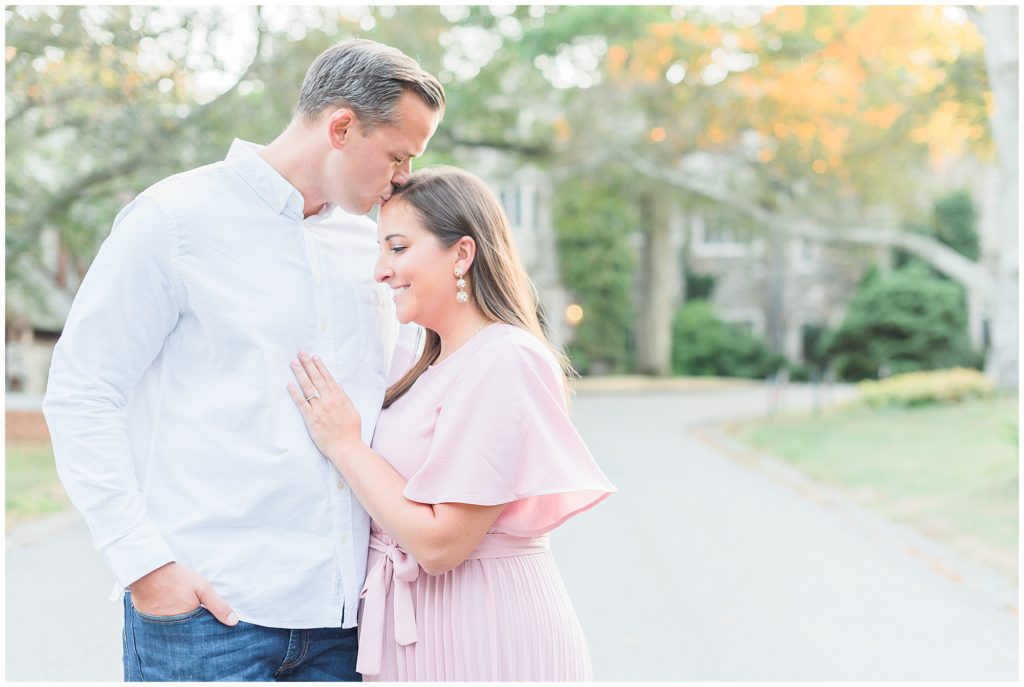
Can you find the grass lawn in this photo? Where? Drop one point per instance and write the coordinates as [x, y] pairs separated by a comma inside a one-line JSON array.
[[32, 486], [949, 471]]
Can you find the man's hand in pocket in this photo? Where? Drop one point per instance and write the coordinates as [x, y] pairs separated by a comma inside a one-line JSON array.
[[173, 589]]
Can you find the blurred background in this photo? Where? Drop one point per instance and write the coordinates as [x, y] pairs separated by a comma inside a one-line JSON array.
[[805, 218]]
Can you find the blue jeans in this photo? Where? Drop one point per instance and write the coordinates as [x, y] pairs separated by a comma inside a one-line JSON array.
[[196, 647]]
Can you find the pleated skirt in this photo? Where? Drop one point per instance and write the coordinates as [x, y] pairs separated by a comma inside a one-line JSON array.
[[489, 619]]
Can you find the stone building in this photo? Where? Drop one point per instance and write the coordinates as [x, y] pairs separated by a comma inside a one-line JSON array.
[[778, 289], [35, 315]]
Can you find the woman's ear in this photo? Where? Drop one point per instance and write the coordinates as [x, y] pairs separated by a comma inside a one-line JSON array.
[[465, 253]]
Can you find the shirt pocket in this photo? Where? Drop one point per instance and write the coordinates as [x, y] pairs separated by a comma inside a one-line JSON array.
[[379, 325]]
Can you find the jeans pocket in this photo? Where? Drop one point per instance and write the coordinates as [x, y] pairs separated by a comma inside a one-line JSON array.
[[177, 618]]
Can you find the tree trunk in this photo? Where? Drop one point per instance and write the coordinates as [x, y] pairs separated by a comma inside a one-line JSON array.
[[658, 286], [776, 310], [999, 26]]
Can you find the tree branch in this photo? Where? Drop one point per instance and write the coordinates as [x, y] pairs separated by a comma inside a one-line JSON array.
[[971, 274], [972, 13], [531, 150], [72, 191], [67, 195]]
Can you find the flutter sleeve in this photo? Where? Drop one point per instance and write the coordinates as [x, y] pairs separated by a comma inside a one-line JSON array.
[[503, 435]]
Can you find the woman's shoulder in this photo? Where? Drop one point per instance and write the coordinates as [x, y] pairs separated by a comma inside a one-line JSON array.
[[512, 357], [514, 346]]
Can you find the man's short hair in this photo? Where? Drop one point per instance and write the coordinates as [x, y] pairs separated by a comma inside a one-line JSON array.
[[368, 77]]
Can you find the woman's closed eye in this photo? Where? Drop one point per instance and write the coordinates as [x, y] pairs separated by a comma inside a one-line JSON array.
[[397, 249]]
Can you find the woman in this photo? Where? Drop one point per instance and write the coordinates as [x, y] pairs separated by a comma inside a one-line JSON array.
[[473, 460]]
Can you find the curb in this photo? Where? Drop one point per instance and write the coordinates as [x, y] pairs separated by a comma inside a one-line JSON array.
[[896, 536], [640, 383]]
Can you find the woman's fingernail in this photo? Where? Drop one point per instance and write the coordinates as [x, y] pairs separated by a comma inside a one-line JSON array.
[[232, 619]]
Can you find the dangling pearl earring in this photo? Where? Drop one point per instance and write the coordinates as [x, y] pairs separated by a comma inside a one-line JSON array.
[[461, 296]]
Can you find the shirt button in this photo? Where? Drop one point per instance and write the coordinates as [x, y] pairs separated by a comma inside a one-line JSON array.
[[341, 484], [323, 326], [344, 539]]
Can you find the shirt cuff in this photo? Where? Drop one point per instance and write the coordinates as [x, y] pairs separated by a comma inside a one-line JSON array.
[[137, 553]]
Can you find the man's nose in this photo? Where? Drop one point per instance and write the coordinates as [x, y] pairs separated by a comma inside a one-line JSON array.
[[402, 174]]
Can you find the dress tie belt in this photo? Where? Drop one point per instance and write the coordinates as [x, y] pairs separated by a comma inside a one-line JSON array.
[[397, 570]]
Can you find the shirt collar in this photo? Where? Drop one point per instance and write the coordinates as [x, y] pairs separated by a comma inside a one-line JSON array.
[[272, 188]]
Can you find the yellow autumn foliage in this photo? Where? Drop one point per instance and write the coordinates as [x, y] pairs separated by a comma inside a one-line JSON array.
[[616, 59], [662, 30], [562, 129], [946, 133], [885, 116], [716, 134], [787, 18]]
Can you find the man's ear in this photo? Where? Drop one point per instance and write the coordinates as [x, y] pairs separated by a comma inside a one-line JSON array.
[[342, 125], [465, 253]]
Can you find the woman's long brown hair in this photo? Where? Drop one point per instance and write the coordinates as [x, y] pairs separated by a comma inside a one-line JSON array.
[[453, 203]]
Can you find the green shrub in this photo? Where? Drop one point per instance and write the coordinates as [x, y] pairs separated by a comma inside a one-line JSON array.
[[902, 322], [926, 388], [954, 222], [798, 372], [593, 223], [704, 345]]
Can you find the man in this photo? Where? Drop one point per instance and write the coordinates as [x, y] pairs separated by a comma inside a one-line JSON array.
[[242, 550]]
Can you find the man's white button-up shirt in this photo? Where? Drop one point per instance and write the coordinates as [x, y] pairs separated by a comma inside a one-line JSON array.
[[172, 427]]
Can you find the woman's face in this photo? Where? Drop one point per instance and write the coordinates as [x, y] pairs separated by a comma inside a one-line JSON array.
[[420, 271]]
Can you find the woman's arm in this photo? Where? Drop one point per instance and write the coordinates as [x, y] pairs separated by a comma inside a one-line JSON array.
[[438, 536]]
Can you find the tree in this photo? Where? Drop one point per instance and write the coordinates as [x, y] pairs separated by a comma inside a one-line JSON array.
[[902, 322], [597, 264], [98, 101], [808, 117], [999, 26]]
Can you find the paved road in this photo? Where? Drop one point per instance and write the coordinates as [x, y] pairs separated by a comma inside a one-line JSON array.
[[704, 569], [700, 568]]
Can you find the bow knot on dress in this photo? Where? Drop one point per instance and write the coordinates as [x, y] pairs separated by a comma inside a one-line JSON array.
[[394, 573]]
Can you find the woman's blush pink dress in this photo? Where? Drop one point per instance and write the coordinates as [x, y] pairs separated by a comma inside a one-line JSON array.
[[488, 425]]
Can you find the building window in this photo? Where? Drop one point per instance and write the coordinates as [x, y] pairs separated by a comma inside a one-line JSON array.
[[511, 200], [718, 232], [718, 236]]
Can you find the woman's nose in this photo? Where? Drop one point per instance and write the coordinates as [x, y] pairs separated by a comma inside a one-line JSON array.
[[382, 271]]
